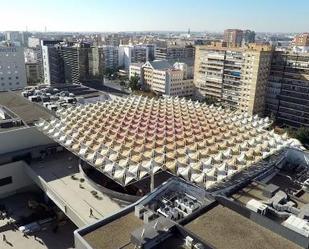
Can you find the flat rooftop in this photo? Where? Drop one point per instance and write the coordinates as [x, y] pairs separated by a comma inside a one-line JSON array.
[[115, 234], [286, 181], [56, 174], [226, 229], [26, 110], [252, 191]]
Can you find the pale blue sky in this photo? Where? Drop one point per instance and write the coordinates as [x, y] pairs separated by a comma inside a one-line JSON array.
[[145, 15]]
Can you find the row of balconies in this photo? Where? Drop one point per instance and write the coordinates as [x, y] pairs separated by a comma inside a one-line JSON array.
[[294, 94], [294, 100]]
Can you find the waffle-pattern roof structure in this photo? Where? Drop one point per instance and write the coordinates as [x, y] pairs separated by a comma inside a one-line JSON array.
[[127, 138]]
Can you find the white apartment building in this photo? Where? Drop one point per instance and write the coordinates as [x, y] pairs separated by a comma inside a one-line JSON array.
[[135, 70], [164, 78], [12, 68], [132, 54]]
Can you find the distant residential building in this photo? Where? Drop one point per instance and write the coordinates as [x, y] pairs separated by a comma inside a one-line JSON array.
[[236, 77], [34, 42], [301, 39], [32, 73], [13, 36], [287, 95], [233, 37], [12, 68], [174, 52], [2, 36], [248, 36], [132, 54], [112, 40], [301, 43], [164, 78]]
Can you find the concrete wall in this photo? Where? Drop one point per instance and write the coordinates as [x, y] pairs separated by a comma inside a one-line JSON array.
[[20, 179], [21, 139], [125, 198]]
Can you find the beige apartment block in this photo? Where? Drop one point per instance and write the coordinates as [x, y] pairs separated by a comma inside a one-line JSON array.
[[236, 77], [165, 78]]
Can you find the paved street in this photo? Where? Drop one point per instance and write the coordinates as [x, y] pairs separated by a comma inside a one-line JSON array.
[[17, 206]]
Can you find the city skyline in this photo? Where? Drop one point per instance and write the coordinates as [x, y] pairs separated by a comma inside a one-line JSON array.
[[108, 16]]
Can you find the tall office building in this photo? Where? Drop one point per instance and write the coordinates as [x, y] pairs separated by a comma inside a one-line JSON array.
[[233, 37], [151, 51], [46, 56], [174, 52], [32, 72], [64, 63], [236, 77], [53, 66], [32, 66], [12, 68], [95, 68], [110, 57], [102, 59], [70, 57], [287, 95], [132, 54]]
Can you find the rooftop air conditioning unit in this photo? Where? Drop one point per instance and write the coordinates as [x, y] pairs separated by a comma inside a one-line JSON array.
[[189, 242], [257, 206]]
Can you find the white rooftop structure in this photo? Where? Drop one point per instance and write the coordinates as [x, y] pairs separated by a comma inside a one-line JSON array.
[[127, 138]]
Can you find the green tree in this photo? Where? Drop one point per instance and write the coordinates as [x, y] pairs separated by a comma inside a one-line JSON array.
[[134, 83], [108, 72], [210, 100], [302, 134]]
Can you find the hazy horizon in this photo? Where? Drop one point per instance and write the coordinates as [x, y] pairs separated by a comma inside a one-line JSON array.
[[154, 16]]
